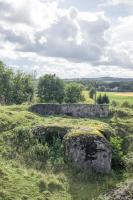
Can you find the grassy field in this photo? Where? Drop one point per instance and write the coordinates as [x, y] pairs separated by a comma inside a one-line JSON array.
[[113, 96], [24, 175]]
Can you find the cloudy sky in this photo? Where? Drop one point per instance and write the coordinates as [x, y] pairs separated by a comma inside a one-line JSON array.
[[71, 38]]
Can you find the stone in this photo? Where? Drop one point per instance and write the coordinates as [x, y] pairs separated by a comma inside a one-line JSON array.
[[123, 192], [89, 152]]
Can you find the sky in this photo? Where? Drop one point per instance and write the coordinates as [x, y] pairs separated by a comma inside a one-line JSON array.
[[70, 38]]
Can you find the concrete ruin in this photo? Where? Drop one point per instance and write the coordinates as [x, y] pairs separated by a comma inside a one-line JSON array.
[[75, 110]]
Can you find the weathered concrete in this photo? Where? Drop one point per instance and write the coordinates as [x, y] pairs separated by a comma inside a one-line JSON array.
[[76, 110], [89, 152]]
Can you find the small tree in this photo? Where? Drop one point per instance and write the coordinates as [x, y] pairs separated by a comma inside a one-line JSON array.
[[99, 99], [74, 93], [51, 89], [105, 99], [92, 92]]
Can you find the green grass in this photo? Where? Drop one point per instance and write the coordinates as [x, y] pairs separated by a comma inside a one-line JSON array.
[[27, 175]]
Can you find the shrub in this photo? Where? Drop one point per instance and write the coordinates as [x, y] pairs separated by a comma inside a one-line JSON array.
[[114, 103], [126, 104], [42, 185], [40, 152], [117, 152], [54, 185], [21, 138], [128, 160]]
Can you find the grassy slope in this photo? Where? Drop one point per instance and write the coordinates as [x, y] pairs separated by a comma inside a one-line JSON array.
[[19, 182]]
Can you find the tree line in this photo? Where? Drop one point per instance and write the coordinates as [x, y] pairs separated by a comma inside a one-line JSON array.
[[17, 88]]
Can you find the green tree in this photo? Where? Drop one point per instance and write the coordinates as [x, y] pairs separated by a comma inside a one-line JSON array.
[[92, 92], [6, 84], [105, 99], [102, 99], [99, 99], [14, 88], [51, 89], [74, 93], [23, 89]]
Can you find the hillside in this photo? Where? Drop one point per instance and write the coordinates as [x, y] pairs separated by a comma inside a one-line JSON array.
[[33, 170]]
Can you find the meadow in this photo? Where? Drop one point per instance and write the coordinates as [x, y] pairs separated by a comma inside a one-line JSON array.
[[119, 97]]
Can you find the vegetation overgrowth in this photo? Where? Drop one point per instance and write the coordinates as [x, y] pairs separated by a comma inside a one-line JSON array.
[[33, 170]]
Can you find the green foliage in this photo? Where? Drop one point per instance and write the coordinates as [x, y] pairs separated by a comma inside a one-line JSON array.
[[105, 99], [102, 99], [126, 104], [117, 152], [36, 171], [14, 88], [54, 185], [42, 185], [50, 89], [114, 103], [92, 92], [6, 84], [128, 160], [74, 93], [99, 99], [22, 88]]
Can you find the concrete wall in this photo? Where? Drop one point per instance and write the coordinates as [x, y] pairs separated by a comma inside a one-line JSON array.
[[76, 110]]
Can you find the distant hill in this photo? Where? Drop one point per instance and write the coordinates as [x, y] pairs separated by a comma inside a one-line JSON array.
[[102, 79]]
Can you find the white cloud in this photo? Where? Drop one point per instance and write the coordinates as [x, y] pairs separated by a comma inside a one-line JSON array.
[[41, 35], [116, 2], [120, 47]]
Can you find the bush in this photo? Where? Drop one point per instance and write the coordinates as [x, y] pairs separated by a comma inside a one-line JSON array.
[[126, 104], [128, 160], [40, 152], [117, 152], [54, 185], [21, 138], [42, 185], [114, 103]]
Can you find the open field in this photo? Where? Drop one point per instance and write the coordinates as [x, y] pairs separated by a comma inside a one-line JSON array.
[[119, 97]]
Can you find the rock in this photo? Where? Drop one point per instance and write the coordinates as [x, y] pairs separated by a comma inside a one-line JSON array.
[[123, 192], [89, 152]]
